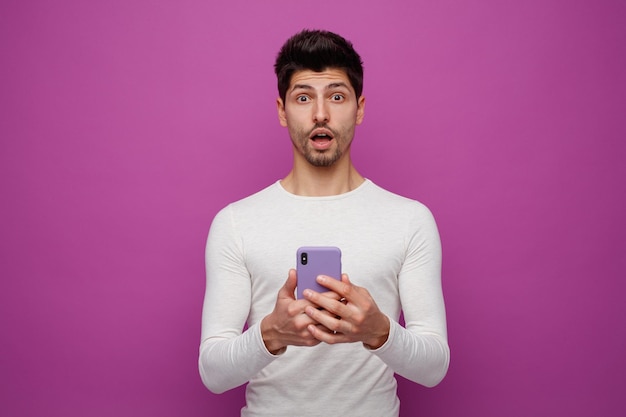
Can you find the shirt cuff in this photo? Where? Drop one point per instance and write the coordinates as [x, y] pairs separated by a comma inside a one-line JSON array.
[[382, 348], [256, 328]]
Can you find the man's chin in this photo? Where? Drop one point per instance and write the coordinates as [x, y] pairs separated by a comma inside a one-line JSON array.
[[321, 160]]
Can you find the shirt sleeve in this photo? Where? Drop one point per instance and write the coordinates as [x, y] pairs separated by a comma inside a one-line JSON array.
[[419, 351], [228, 356]]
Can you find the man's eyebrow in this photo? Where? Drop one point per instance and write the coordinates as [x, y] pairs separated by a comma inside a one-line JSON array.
[[337, 85], [301, 87]]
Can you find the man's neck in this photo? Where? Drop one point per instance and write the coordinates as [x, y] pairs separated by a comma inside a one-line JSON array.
[[309, 181]]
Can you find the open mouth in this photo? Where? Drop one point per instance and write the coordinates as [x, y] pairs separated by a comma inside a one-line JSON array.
[[321, 135], [321, 139]]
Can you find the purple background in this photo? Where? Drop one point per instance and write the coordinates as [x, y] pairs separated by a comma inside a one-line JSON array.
[[126, 125]]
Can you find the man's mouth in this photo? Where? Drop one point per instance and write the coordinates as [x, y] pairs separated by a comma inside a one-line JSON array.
[[321, 135], [321, 139]]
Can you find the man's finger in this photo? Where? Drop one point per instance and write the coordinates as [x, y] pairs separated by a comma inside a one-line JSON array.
[[289, 288]]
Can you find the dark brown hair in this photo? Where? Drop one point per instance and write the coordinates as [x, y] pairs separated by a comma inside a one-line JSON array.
[[317, 50]]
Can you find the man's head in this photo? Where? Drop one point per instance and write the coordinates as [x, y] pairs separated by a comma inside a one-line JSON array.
[[317, 50]]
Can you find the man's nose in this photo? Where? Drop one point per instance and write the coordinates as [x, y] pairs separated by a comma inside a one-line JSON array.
[[321, 112]]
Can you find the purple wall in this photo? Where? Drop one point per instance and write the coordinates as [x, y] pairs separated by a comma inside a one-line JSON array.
[[126, 125]]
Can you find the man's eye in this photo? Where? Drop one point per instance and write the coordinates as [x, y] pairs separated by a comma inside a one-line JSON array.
[[337, 97], [302, 99]]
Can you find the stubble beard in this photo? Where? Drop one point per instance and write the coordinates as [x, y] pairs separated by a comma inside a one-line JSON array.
[[322, 158], [318, 158]]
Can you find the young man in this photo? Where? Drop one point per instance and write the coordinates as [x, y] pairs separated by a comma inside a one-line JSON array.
[[332, 353]]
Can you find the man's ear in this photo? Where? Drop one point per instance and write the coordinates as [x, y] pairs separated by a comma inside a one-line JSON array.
[[280, 107], [360, 110]]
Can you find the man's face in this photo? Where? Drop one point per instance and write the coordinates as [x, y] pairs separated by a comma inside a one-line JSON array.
[[321, 111]]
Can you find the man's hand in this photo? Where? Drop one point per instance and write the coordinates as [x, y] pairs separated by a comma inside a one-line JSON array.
[[287, 324], [355, 317]]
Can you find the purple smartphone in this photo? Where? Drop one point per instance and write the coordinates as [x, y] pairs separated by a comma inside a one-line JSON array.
[[314, 261]]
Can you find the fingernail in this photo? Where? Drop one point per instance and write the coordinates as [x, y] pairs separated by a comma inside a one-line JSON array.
[[321, 279]]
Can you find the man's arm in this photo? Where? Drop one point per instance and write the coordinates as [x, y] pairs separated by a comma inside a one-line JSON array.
[[229, 357], [419, 351]]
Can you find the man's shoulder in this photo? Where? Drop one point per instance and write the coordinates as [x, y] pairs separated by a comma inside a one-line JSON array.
[[396, 208], [265, 195], [248, 207], [258, 202], [386, 196]]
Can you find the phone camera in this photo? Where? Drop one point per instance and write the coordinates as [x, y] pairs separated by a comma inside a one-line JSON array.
[[304, 258]]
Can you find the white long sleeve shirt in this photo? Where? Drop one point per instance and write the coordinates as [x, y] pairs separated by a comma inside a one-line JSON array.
[[390, 245]]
